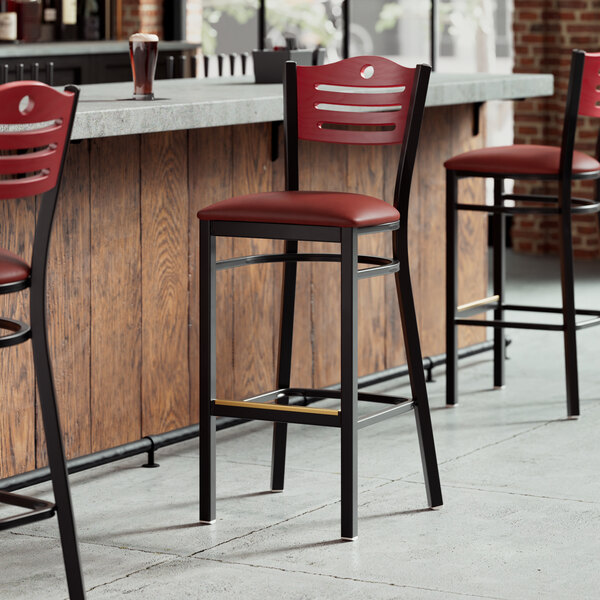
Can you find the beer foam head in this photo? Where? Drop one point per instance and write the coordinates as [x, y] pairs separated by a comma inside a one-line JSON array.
[[143, 37]]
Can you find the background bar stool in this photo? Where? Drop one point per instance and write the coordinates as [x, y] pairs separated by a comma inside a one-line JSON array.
[[31, 163], [562, 165], [328, 103]]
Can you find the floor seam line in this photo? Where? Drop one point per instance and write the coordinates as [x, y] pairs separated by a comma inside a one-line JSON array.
[[352, 579], [147, 568], [118, 546], [508, 493], [265, 528]]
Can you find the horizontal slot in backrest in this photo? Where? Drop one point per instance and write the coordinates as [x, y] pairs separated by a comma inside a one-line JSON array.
[[362, 100]]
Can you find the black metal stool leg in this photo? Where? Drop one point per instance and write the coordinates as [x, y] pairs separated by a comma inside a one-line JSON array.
[[451, 288], [416, 372], [54, 444], [499, 246], [284, 366], [568, 298], [207, 276], [349, 381]]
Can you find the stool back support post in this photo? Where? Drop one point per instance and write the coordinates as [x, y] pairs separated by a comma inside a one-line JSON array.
[[410, 144], [288, 292], [36, 164], [290, 124], [565, 239], [587, 103], [570, 121]]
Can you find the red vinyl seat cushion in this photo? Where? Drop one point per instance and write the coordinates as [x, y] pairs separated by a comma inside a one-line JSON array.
[[12, 267], [331, 209], [520, 159]]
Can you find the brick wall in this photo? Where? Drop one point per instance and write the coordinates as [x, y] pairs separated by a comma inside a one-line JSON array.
[[545, 32], [142, 15]]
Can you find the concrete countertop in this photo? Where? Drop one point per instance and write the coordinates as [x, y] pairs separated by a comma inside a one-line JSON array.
[[107, 109], [44, 49]]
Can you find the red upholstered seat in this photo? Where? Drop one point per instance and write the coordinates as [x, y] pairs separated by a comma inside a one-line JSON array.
[[12, 267], [332, 209], [520, 160]]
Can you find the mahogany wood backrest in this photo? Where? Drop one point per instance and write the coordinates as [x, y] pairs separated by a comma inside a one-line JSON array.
[[361, 100], [35, 125]]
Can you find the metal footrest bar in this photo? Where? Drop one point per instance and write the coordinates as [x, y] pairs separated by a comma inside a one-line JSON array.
[[549, 309], [478, 306], [497, 324], [272, 395], [509, 210], [400, 408], [282, 413], [392, 266], [580, 206], [526, 308], [38, 510], [588, 323], [337, 394], [383, 265]]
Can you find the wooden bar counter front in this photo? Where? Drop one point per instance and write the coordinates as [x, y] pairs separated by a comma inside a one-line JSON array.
[[123, 288]]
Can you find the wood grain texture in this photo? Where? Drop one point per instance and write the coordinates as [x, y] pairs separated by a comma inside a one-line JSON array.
[[123, 287], [428, 227], [324, 167], [395, 353], [366, 176], [472, 226], [116, 308], [210, 179], [256, 289], [164, 224], [68, 305], [17, 393]]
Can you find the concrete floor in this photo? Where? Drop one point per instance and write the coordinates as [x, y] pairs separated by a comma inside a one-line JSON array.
[[521, 485]]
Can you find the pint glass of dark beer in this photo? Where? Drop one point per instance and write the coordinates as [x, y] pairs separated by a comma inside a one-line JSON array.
[[143, 52]]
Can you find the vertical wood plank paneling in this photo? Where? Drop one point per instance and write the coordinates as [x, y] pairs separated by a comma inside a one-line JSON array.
[[210, 180], [17, 392], [256, 289], [68, 305], [365, 176], [116, 310], [325, 167], [394, 341], [302, 351], [472, 226], [164, 225], [118, 266], [428, 228]]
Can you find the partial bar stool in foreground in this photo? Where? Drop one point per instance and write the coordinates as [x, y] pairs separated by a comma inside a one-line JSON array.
[[36, 125], [561, 165], [362, 100]]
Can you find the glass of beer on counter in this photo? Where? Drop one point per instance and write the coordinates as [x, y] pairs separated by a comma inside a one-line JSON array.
[[143, 52]]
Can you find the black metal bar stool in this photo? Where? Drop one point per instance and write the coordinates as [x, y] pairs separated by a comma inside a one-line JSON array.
[[362, 100], [31, 163], [562, 165]]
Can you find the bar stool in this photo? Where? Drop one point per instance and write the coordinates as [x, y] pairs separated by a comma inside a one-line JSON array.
[[562, 165], [362, 100], [31, 163]]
